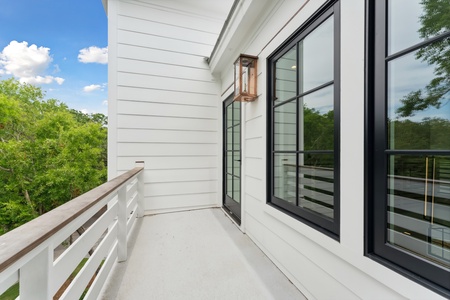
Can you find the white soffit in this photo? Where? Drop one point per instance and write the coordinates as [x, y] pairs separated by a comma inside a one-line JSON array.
[[245, 16]]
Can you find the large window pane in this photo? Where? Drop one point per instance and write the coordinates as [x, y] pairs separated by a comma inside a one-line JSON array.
[[412, 21], [285, 126], [317, 132], [303, 127], [419, 205], [316, 57], [403, 17], [285, 177], [286, 76], [418, 110]]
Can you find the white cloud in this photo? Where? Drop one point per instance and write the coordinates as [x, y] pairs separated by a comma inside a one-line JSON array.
[[93, 54], [105, 102], [28, 63], [59, 80], [84, 111], [42, 80], [91, 88]]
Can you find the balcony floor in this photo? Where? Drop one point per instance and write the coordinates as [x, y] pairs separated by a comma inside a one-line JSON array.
[[198, 254]]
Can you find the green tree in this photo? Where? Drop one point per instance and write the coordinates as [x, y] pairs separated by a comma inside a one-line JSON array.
[[49, 153]]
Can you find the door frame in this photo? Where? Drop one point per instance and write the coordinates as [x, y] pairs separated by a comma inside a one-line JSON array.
[[235, 214]]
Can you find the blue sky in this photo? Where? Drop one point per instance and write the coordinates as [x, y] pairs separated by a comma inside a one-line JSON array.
[[59, 45]]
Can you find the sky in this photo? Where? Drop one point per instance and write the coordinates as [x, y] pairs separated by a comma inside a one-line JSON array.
[[58, 45]]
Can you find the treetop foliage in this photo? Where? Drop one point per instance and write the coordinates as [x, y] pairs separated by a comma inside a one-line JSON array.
[[49, 153]]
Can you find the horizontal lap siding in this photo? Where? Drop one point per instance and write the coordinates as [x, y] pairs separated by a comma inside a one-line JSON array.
[[321, 267], [167, 104]]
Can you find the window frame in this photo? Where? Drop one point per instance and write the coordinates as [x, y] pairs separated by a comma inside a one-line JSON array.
[[376, 246], [326, 226]]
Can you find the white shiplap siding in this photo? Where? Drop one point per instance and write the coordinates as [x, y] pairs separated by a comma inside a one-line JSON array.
[[166, 102], [321, 267]]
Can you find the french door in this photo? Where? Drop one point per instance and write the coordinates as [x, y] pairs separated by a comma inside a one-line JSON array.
[[232, 158]]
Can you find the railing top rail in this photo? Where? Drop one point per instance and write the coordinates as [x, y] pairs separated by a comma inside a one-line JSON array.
[[20, 241]]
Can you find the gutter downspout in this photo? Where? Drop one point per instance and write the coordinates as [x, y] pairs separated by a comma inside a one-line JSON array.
[[222, 32]]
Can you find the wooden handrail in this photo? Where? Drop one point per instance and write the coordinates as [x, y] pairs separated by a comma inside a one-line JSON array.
[[17, 243]]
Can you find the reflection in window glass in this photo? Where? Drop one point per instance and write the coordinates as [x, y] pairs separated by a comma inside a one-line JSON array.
[[418, 110], [316, 183], [286, 76], [285, 126], [403, 16], [316, 57], [419, 205], [413, 21], [285, 177], [303, 134], [318, 120]]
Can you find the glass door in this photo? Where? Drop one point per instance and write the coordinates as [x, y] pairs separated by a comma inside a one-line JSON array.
[[232, 158]]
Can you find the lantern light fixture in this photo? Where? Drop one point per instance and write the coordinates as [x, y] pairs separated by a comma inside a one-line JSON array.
[[245, 75]]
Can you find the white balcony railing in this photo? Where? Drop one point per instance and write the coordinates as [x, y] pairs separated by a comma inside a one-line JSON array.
[[27, 253]]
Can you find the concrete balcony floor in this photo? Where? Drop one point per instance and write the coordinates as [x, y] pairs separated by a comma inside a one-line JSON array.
[[199, 254]]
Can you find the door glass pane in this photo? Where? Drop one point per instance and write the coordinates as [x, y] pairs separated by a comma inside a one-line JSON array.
[[229, 138], [229, 186], [285, 127], [236, 112], [412, 21], [229, 159], [237, 137], [237, 163], [286, 76], [316, 183], [317, 132], [237, 189], [419, 205], [316, 57], [229, 114], [285, 177], [418, 106]]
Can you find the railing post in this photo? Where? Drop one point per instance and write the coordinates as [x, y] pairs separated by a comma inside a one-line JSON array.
[[140, 189], [122, 223], [35, 276]]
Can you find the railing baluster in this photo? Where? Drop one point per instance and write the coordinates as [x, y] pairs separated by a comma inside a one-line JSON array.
[[140, 189], [122, 223], [35, 276]]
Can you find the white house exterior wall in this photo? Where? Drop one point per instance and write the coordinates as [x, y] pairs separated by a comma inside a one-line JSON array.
[[165, 108], [321, 267], [163, 100]]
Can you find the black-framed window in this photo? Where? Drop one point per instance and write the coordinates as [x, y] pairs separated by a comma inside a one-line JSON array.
[[303, 123], [408, 208]]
